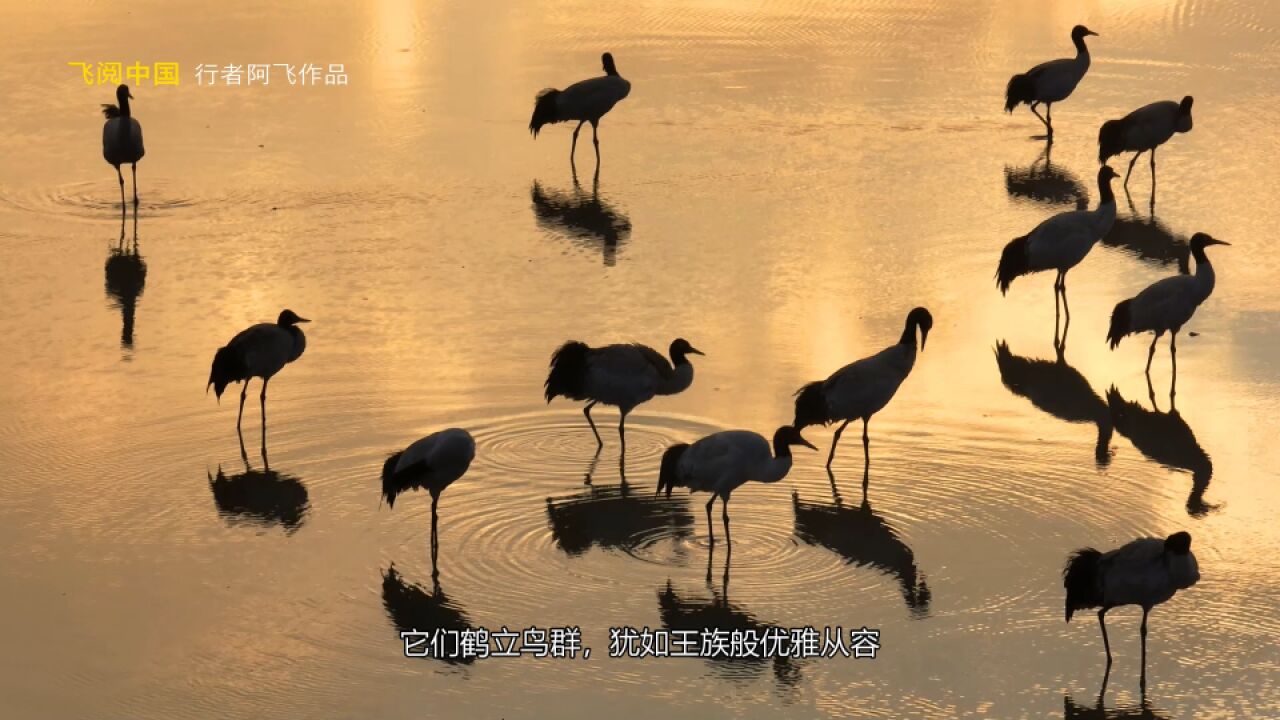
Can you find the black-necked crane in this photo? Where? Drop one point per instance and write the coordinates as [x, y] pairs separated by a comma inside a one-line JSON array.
[[260, 351], [623, 375], [1051, 81], [862, 388], [724, 461], [432, 464], [584, 101], [1166, 305], [1145, 572], [1144, 130], [1060, 242], [122, 139]]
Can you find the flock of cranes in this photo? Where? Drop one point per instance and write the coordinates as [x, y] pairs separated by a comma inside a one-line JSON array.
[[1145, 572]]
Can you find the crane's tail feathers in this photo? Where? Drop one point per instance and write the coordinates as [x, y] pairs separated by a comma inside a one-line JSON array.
[[1110, 139], [545, 110], [227, 368], [1019, 90], [1013, 262], [811, 406], [1080, 578], [568, 372], [110, 111], [668, 477], [394, 483], [1121, 323]]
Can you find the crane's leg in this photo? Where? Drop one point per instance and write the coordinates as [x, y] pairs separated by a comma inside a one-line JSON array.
[[587, 411], [711, 529], [724, 507], [243, 390], [1066, 311], [1048, 122], [1142, 630], [1173, 356], [134, 166], [835, 441], [1106, 644], [866, 457], [435, 539], [120, 175], [574, 147], [1151, 353], [595, 139], [622, 431], [1130, 172], [262, 397], [1153, 170], [1037, 113]]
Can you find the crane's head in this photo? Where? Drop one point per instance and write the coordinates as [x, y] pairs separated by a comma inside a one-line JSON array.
[[609, 67], [1200, 241], [788, 435], [1184, 114], [289, 317], [1080, 32], [680, 348], [122, 94], [668, 472], [1183, 569], [920, 318]]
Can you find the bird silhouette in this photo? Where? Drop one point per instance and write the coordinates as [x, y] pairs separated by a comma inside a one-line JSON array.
[[1145, 572], [1050, 82], [862, 388], [584, 101], [624, 375], [122, 140], [432, 463], [259, 351], [1144, 130]]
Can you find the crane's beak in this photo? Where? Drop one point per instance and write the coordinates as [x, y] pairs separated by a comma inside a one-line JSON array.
[[696, 351], [806, 443], [1215, 241], [924, 338], [1090, 32], [302, 319], [130, 94]]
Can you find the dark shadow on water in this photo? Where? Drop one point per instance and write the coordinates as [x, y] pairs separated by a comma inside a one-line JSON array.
[[1058, 389], [260, 497], [696, 613], [412, 609], [1150, 240], [1098, 711], [1165, 438], [1044, 182], [616, 517], [584, 217], [126, 279], [865, 539]]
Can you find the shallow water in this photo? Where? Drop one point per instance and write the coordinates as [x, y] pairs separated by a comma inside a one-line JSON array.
[[784, 183]]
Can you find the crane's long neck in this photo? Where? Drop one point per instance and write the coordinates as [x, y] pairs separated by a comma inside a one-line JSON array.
[[1205, 277], [909, 336], [681, 379], [779, 465], [1105, 213], [1082, 52], [123, 100]]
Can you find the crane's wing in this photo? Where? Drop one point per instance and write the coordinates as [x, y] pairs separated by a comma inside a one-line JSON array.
[[721, 456], [264, 348], [592, 97], [1061, 234], [1164, 303], [865, 386]]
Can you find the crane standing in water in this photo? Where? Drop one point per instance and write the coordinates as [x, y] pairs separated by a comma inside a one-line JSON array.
[[122, 139], [259, 351], [584, 101]]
